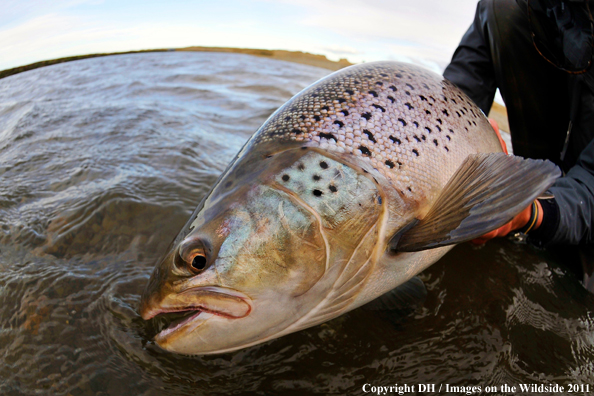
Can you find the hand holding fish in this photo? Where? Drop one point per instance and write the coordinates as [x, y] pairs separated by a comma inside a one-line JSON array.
[[521, 219]]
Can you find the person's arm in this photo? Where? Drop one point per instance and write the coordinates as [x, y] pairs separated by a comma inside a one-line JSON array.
[[569, 218], [471, 68]]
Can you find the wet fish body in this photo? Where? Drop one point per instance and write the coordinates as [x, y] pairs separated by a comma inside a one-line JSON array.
[[347, 191]]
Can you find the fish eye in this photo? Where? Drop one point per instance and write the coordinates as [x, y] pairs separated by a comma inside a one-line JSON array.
[[192, 255], [198, 263]]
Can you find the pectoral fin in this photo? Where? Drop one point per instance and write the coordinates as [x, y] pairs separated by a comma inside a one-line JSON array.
[[486, 192]]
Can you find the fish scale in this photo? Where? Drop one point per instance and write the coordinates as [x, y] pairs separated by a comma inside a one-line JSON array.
[[401, 118]]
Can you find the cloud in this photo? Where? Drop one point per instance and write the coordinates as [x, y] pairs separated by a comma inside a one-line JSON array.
[[422, 31], [434, 27]]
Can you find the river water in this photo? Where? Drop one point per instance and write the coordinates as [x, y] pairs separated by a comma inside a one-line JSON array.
[[101, 163]]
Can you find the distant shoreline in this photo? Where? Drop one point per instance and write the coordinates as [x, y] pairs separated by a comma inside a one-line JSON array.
[[292, 56], [498, 112]]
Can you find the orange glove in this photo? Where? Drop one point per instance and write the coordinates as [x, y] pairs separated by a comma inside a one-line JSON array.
[[517, 222]]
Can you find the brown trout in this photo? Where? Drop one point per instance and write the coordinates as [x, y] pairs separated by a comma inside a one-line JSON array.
[[350, 189]]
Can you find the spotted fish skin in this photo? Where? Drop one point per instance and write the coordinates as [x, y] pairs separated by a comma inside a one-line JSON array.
[[413, 126], [347, 191]]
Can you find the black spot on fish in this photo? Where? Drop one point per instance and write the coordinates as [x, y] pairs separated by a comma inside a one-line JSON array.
[[304, 148], [367, 116], [317, 193], [317, 118], [341, 100], [316, 177], [438, 128], [390, 164], [444, 111], [474, 123], [432, 98], [425, 86], [427, 112], [423, 98], [325, 108], [410, 86], [454, 101], [350, 92], [409, 106], [368, 76], [315, 95], [339, 123], [451, 130], [469, 123], [392, 100], [446, 148], [448, 137], [301, 167], [369, 135], [399, 163], [395, 140], [333, 188], [423, 137], [344, 112], [228, 184], [383, 75], [365, 150], [409, 189], [379, 107], [328, 136], [406, 92], [324, 165], [379, 83], [439, 120], [428, 129], [435, 142], [288, 118], [416, 124], [297, 131], [402, 121], [302, 117], [286, 178], [399, 75], [393, 88], [379, 200], [373, 93], [416, 152], [417, 139]]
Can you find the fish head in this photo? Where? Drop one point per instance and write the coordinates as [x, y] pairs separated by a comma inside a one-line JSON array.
[[264, 258]]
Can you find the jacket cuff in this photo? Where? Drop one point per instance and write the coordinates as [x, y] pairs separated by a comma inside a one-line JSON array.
[[550, 223]]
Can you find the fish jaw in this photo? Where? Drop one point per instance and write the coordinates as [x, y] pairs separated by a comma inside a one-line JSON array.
[[206, 301]]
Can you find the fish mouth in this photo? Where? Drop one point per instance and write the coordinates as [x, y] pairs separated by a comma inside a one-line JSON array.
[[188, 310]]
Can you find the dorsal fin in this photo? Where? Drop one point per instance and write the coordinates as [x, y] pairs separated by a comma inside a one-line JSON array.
[[486, 192]]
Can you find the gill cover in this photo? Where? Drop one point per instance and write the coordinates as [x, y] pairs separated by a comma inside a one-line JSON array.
[[296, 244]]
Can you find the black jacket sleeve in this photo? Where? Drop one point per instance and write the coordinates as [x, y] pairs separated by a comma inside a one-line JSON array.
[[574, 196], [471, 68]]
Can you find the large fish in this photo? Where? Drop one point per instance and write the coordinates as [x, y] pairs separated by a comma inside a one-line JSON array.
[[351, 188]]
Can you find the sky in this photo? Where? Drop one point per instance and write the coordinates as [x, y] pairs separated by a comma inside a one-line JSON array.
[[420, 31]]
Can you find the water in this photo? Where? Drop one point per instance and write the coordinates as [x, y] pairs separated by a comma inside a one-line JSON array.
[[101, 163]]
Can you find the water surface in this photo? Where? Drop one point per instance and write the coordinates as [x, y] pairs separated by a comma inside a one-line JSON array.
[[101, 163]]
